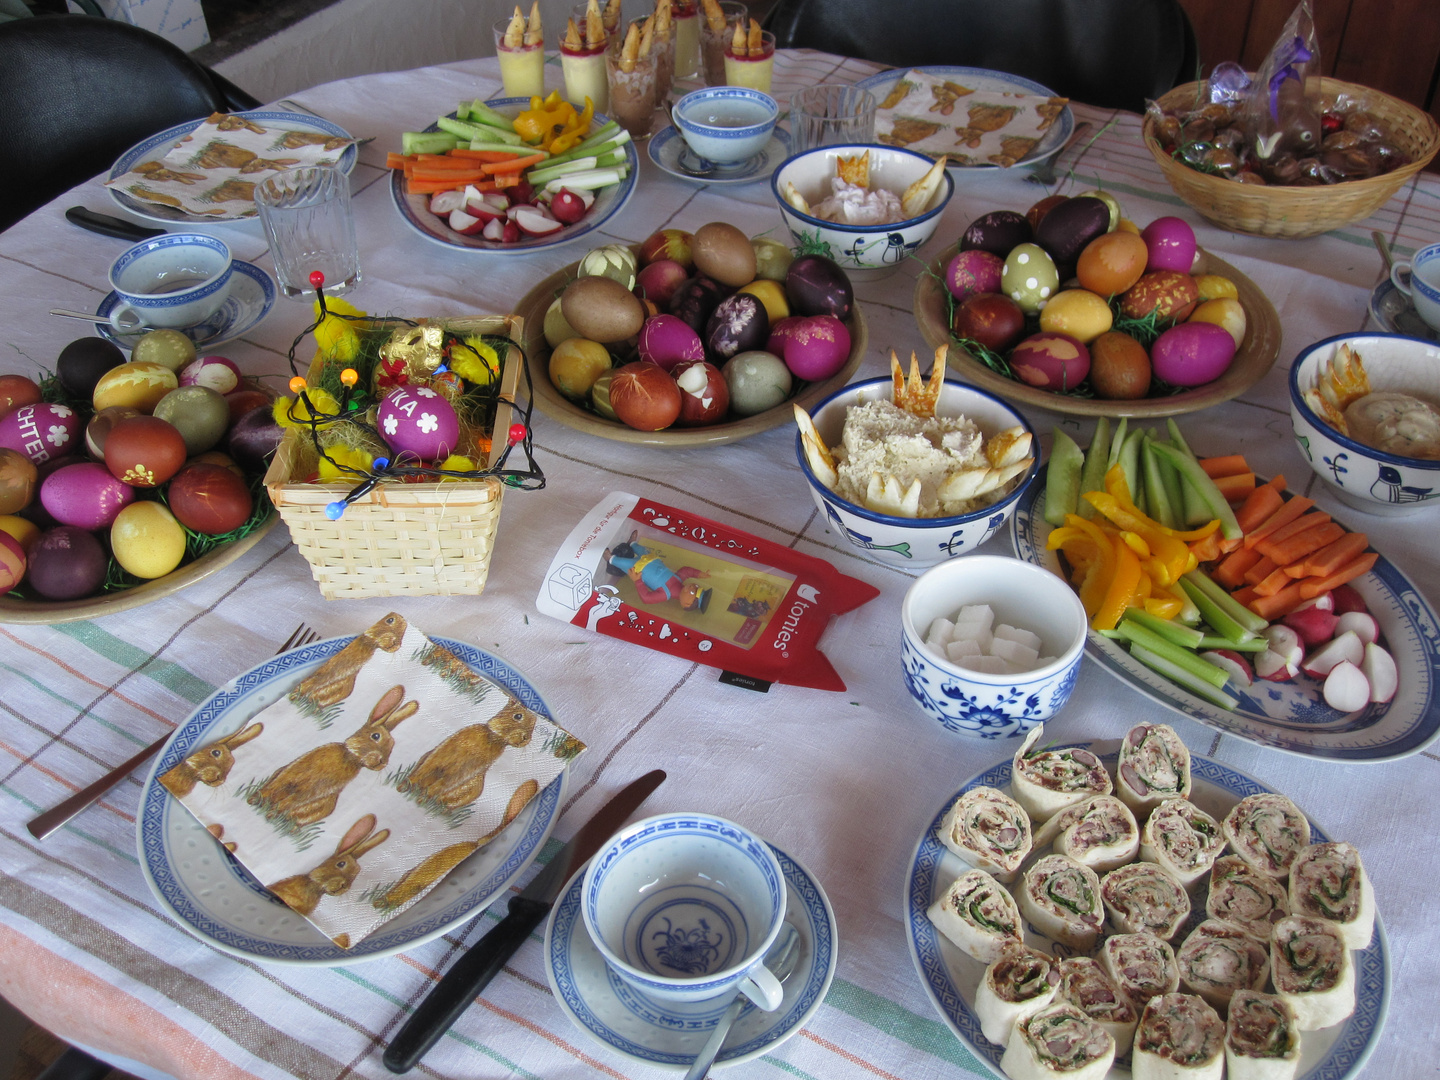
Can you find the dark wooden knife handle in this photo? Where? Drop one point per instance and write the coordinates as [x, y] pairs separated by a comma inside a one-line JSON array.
[[110, 226], [455, 991]]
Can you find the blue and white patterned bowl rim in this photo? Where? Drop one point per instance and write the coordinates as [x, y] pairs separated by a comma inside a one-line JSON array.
[[1424, 257], [1351, 1048], [835, 226], [252, 295], [667, 145], [820, 920], [594, 219], [1385, 301], [1249, 721], [156, 804], [721, 93], [182, 296]]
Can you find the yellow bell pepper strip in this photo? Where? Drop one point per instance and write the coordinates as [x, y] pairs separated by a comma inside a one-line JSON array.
[[545, 120], [1122, 585], [1164, 607], [1117, 489], [575, 132], [1084, 543]]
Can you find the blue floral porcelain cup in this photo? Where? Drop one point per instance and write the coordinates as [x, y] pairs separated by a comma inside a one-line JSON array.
[[726, 125], [684, 907], [992, 706], [176, 280]]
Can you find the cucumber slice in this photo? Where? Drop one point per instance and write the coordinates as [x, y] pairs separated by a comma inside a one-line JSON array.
[[427, 142], [481, 113], [1092, 475], [1062, 481]]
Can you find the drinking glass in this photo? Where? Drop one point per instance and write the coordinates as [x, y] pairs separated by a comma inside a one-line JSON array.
[[713, 42], [754, 72], [522, 70], [632, 94], [831, 114], [311, 226]]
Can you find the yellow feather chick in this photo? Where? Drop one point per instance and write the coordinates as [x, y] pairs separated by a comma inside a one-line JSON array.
[[335, 338], [291, 412], [474, 361], [456, 463], [344, 455]]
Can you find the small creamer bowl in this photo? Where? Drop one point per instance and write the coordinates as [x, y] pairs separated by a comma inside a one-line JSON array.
[[172, 281], [726, 125], [976, 703], [1419, 279], [684, 907]]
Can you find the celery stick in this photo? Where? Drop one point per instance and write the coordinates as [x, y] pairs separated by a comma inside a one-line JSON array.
[[1183, 678], [547, 171], [1174, 632], [589, 180], [505, 148], [1113, 635], [1092, 475], [427, 142], [1216, 616], [1193, 510], [1116, 442], [1157, 497], [1214, 500], [1062, 480], [480, 113], [1189, 613], [1184, 659], [1130, 462], [1256, 644], [1232, 607], [1173, 491], [611, 132], [474, 132]]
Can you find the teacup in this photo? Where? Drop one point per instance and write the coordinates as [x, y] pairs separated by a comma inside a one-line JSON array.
[[1419, 279], [684, 907], [726, 125], [171, 281]]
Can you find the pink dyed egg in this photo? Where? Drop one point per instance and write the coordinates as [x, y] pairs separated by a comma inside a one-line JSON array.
[[216, 373], [87, 496], [782, 332], [974, 271], [1170, 242], [817, 348], [667, 340], [12, 562], [1052, 361], [41, 431], [1192, 354], [418, 421]]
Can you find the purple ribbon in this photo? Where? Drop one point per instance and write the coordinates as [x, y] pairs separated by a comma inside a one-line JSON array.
[[1293, 54]]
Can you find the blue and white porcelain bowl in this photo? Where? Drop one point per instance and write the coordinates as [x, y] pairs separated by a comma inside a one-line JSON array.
[[726, 125], [915, 543], [865, 251], [173, 281], [1361, 476], [683, 907], [1021, 595]]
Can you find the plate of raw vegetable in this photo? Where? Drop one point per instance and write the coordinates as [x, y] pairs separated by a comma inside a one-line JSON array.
[[474, 181], [1234, 601]]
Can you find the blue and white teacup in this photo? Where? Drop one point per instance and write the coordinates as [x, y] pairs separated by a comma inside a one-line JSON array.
[[171, 281], [726, 125], [684, 907], [1419, 279]]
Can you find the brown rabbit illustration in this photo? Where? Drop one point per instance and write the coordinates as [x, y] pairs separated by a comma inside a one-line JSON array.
[[336, 874], [452, 774], [333, 680], [434, 867], [232, 190], [209, 765], [306, 790], [218, 154]]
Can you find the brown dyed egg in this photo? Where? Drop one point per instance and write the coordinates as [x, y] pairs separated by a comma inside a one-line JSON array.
[[100, 426], [1112, 263], [1169, 293], [139, 384], [215, 457], [992, 319], [66, 564], [18, 477], [15, 391], [1119, 367], [644, 396], [12, 562], [209, 499], [242, 401], [200, 414], [144, 451], [601, 309], [723, 252], [147, 540]]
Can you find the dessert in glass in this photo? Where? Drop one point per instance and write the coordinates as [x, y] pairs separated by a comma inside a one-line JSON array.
[[664, 49], [631, 71], [750, 58], [686, 16], [717, 21], [582, 58], [520, 45]]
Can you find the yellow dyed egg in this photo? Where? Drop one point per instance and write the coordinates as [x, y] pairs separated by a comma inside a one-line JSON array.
[[772, 295], [1224, 311], [1215, 287], [138, 385], [1077, 312], [22, 529], [1126, 225], [147, 540]]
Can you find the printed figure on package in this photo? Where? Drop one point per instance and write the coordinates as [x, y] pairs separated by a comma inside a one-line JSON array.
[[655, 581]]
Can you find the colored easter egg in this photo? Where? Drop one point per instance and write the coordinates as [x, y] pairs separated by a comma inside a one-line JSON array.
[[41, 431], [1171, 243], [15, 391], [84, 361], [66, 563], [100, 426], [144, 451], [147, 540], [1077, 312], [757, 381], [219, 373], [974, 271], [1030, 277], [27, 532], [200, 414], [419, 422], [18, 478], [209, 499], [12, 562], [139, 384], [85, 495]]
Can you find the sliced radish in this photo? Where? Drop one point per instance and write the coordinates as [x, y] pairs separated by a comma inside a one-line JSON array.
[[1345, 649], [1362, 623], [484, 210], [1273, 667], [1233, 664], [1314, 626], [532, 221], [1325, 602], [510, 233], [443, 203], [495, 229], [465, 224], [1346, 688], [1379, 669], [1286, 642], [1348, 599], [567, 206]]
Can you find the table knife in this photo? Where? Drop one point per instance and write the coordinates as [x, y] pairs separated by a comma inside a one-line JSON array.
[[480, 963], [106, 225]]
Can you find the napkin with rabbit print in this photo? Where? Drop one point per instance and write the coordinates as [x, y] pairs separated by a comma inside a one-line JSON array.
[[373, 777]]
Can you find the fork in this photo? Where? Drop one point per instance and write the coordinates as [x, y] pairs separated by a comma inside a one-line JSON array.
[[46, 823], [1044, 173]]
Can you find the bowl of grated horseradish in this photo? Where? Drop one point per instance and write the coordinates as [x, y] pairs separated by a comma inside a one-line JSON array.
[[916, 483]]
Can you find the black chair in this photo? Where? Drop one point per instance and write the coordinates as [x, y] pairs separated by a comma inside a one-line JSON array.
[[1111, 53], [76, 92]]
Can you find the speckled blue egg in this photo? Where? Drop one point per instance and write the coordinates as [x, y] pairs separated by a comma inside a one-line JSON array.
[[418, 421]]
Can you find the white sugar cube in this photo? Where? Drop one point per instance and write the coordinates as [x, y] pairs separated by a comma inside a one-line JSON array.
[[973, 632], [956, 650], [1024, 637], [1019, 656], [977, 613], [989, 665], [942, 630]]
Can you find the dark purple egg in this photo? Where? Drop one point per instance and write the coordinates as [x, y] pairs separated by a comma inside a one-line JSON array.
[[694, 301], [815, 285], [738, 324], [1066, 229], [66, 564], [253, 439], [998, 232]]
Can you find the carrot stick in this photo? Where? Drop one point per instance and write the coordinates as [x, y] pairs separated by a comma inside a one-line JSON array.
[[1274, 582], [1279, 604], [1237, 487], [1231, 571], [424, 174], [504, 180], [513, 164], [1260, 504], [1208, 549], [1228, 465], [1313, 587], [1301, 544], [484, 155], [444, 161], [1330, 559], [396, 161], [1286, 514], [432, 187], [1299, 525], [1260, 571], [1227, 546], [1245, 595]]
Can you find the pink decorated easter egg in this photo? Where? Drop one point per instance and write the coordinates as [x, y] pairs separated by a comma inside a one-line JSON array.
[[12, 562], [218, 373], [974, 271], [41, 431], [87, 496], [418, 421]]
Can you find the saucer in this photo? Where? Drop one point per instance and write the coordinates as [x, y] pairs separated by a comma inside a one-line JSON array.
[[252, 295], [669, 151], [654, 1033], [1392, 311]]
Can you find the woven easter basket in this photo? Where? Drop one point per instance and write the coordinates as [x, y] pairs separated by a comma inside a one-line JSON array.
[[399, 539], [1295, 212]]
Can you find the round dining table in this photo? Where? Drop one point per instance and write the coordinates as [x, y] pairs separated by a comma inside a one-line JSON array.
[[844, 782]]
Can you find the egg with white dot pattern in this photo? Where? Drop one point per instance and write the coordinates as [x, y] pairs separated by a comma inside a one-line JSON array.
[[1029, 277]]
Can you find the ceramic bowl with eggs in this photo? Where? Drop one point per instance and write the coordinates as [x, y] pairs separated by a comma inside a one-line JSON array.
[[1386, 460], [916, 542], [1020, 612], [864, 251]]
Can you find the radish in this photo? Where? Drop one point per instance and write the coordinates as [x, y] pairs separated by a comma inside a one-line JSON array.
[[1347, 648], [1286, 642], [465, 224], [444, 203], [532, 221], [1233, 664], [1348, 599], [485, 210], [495, 229], [1379, 669], [1346, 688], [1314, 626], [510, 233], [1362, 623], [1273, 667], [567, 206], [1325, 602]]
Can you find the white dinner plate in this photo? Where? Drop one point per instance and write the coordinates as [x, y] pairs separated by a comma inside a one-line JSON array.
[[950, 977], [669, 1036], [157, 146], [211, 895], [415, 209], [984, 79], [667, 149], [1392, 311], [252, 295], [1291, 716]]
